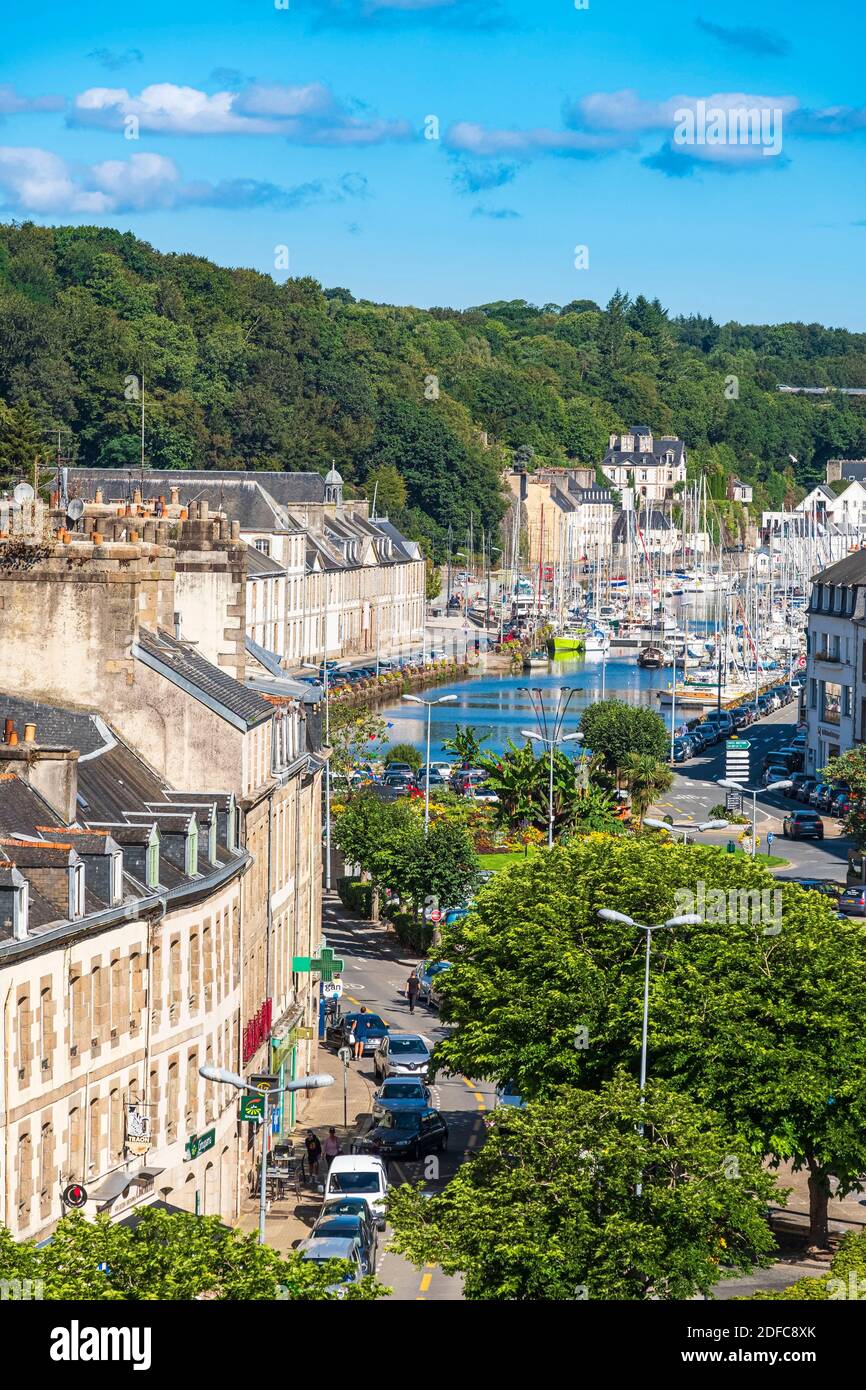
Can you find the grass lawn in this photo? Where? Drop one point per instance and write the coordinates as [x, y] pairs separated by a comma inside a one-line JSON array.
[[502, 861]]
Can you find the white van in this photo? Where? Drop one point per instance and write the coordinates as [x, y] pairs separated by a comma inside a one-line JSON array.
[[359, 1175]]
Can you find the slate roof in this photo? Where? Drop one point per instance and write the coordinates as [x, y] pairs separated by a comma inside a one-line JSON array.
[[259, 564], [116, 782], [22, 809], [62, 728], [654, 520], [185, 665], [120, 483], [848, 572]]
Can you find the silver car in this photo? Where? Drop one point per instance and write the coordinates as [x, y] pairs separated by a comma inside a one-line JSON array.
[[401, 1054]]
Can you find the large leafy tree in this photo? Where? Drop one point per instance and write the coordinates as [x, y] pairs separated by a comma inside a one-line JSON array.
[[756, 1012], [614, 731], [549, 1207], [167, 1257], [850, 768]]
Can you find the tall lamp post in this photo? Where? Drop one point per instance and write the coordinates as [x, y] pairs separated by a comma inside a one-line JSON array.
[[551, 744], [690, 919], [417, 700], [301, 1083], [754, 792], [327, 688], [550, 734]]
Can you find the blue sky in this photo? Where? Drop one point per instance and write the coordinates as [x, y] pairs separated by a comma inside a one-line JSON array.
[[259, 127]]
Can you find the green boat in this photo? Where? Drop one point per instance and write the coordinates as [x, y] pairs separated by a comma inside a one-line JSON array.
[[568, 641]]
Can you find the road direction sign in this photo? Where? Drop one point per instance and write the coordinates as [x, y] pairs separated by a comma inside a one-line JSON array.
[[737, 744]]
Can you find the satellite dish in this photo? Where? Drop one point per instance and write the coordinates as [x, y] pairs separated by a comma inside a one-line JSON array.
[[23, 493], [75, 509]]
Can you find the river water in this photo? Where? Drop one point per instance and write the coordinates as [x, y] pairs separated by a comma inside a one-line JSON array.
[[500, 705]]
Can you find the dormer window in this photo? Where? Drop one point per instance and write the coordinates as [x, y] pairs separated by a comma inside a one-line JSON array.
[[153, 864], [116, 878], [264, 546], [191, 862], [76, 892]]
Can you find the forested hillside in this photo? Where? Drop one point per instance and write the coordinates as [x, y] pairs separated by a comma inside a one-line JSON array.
[[243, 372]]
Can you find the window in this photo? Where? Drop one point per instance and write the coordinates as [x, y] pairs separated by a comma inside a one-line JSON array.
[[831, 700], [813, 694], [264, 546], [116, 878], [846, 699]]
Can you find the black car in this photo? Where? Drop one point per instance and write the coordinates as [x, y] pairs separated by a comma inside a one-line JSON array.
[[369, 1029], [804, 789], [825, 886], [349, 1226], [797, 780], [699, 741], [803, 825], [682, 749], [742, 717], [709, 732], [406, 1134], [765, 705]]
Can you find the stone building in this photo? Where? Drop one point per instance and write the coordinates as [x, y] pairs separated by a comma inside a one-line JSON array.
[[111, 624], [331, 581]]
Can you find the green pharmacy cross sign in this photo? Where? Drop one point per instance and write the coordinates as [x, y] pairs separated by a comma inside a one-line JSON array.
[[325, 964]]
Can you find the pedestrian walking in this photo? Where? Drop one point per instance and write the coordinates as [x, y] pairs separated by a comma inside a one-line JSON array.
[[357, 1042], [413, 989], [313, 1145], [332, 1146]]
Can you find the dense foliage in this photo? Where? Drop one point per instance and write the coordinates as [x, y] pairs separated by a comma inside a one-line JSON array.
[[167, 1256], [423, 405], [757, 1012], [549, 1208]]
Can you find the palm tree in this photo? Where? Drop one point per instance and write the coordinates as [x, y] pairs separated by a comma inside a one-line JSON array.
[[466, 743], [646, 778]]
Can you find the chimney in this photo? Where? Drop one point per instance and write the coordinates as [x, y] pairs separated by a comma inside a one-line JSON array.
[[174, 496], [29, 733], [8, 729], [50, 771], [97, 497]]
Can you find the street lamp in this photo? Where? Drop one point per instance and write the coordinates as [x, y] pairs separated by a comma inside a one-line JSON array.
[[301, 1083], [311, 665], [551, 744], [417, 700], [686, 829], [690, 919], [731, 785]]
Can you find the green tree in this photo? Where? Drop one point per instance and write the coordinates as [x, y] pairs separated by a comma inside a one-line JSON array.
[[646, 779], [850, 768], [168, 1257], [756, 1013], [613, 730], [548, 1208], [356, 736], [20, 443], [404, 753], [387, 485], [465, 743]]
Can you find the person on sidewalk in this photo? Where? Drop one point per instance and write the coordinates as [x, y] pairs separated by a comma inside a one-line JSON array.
[[413, 989], [313, 1145], [332, 1146]]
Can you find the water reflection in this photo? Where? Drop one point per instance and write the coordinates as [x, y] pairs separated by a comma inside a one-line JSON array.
[[500, 706]]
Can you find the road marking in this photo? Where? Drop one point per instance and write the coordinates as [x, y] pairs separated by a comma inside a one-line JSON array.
[[426, 1281]]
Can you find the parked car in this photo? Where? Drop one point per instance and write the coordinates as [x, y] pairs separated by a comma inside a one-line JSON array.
[[828, 795], [682, 749], [699, 740], [400, 783], [764, 705], [358, 1226], [803, 825], [804, 789], [466, 777], [753, 710], [853, 902], [480, 791], [792, 757], [434, 994], [825, 886], [359, 1175], [336, 1248], [406, 1134], [818, 792], [797, 780], [507, 1094], [777, 773], [401, 1054], [427, 974], [440, 770], [405, 768], [840, 805], [722, 719], [710, 732], [369, 1029], [742, 717], [400, 1093]]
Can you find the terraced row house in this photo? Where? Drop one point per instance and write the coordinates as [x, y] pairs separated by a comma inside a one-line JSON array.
[[327, 579], [160, 866]]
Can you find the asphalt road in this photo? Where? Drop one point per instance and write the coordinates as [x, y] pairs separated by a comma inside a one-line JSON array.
[[696, 790], [376, 976]]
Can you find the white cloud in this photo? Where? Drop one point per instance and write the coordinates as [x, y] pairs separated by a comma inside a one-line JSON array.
[[11, 103], [306, 114], [625, 111], [37, 181], [470, 138]]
